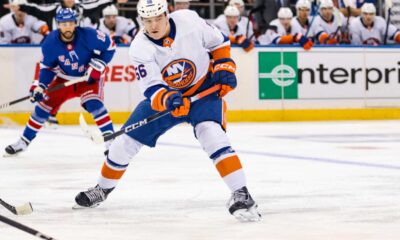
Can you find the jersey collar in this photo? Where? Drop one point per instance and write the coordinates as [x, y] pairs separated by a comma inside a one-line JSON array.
[[168, 40], [330, 21], [362, 22]]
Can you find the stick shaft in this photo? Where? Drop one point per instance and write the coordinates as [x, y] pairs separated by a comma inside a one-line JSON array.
[[159, 114], [8, 206], [25, 228], [55, 88]]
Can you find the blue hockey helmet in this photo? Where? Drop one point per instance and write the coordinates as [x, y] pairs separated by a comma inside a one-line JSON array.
[[66, 15]]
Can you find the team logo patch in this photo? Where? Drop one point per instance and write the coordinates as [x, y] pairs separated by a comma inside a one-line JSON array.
[[179, 74]]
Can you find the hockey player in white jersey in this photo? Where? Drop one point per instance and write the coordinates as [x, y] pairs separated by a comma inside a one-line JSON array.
[[234, 29], [244, 21], [329, 23], [280, 31], [172, 61], [369, 29], [120, 29], [302, 22], [19, 27]]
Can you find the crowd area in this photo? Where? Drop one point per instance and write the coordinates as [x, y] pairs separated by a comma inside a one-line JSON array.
[[264, 22]]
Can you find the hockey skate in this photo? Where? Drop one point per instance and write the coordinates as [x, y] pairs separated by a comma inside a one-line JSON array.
[[13, 149], [92, 197], [243, 207]]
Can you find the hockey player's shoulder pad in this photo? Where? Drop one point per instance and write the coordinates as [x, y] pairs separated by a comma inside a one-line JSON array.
[[187, 16], [142, 49], [51, 39]]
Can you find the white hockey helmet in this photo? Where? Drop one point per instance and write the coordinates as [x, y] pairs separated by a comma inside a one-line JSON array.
[[110, 11], [284, 13], [325, 4], [368, 8], [151, 8], [239, 2], [231, 11], [303, 4]]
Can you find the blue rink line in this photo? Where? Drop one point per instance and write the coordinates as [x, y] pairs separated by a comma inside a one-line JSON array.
[[285, 156]]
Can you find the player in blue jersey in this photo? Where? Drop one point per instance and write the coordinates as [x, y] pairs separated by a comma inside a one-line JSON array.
[[69, 53]]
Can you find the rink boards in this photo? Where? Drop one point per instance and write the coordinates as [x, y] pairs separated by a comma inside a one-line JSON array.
[[274, 84]]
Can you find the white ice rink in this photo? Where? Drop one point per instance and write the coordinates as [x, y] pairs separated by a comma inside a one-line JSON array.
[[315, 180]]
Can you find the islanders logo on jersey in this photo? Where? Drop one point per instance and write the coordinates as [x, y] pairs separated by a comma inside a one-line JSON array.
[[179, 73]]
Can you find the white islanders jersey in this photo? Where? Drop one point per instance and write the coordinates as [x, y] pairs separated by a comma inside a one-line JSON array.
[[298, 28], [363, 35], [335, 26], [243, 27], [272, 35], [124, 27], [12, 33], [183, 62]]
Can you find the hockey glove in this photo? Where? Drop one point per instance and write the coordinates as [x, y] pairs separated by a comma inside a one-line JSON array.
[[94, 71], [38, 95], [178, 105], [171, 100], [35, 83], [224, 74], [244, 42], [325, 38], [304, 41]]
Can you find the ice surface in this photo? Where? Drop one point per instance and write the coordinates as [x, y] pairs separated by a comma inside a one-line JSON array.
[[314, 180]]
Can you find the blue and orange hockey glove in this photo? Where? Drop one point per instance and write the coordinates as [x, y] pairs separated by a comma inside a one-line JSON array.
[[224, 74], [173, 101], [304, 41]]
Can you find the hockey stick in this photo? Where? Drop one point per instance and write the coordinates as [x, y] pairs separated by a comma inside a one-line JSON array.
[[100, 139], [339, 25], [55, 88], [315, 5], [25, 228], [19, 210], [346, 32], [250, 15], [389, 5]]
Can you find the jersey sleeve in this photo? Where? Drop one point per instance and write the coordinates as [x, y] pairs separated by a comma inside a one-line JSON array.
[[37, 24], [148, 73], [103, 46], [130, 29], [217, 43], [5, 34], [269, 36], [48, 65], [355, 32], [393, 32]]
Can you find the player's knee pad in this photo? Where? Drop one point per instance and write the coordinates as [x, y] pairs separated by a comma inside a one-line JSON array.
[[211, 137], [94, 106], [123, 149]]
